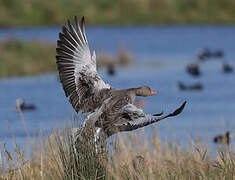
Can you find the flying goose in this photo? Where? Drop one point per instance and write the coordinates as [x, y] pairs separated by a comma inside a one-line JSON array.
[[129, 118], [86, 90], [77, 71]]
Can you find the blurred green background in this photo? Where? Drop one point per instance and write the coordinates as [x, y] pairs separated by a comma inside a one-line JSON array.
[[44, 12], [30, 13]]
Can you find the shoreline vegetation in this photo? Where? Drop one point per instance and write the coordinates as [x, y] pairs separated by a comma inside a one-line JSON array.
[[122, 12], [24, 58], [57, 157], [20, 58], [73, 154]]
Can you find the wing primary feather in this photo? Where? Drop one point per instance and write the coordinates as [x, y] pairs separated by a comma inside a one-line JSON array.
[[80, 34], [64, 47], [76, 66], [83, 29], [75, 34], [67, 42], [65, 54], [76, 22], [147, 120], [68, 35]]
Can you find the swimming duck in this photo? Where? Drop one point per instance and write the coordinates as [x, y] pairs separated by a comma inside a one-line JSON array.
[[218, 54], [227, 68], [111, 70], [21, 105], [86, 90], [204, 53], [223, 139], [193, 69], [196, 86]]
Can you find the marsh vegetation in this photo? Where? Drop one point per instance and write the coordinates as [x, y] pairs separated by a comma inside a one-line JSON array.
[[26, 57], [26, 12], [127, 157]]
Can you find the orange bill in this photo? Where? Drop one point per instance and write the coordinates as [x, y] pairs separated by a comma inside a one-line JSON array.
[[152, 92]]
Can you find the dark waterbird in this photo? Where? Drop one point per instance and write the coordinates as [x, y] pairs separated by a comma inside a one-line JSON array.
[[204, 54], [112, 110], [111, 70], [227, 68], [193, 69], [223, 139], [193, 87], [21, 105]]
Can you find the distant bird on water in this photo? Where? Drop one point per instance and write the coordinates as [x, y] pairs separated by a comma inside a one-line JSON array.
[[193, 69], [112, 110], [21, 105], [223, 139], [204, 54], [193, 87], [111, 70], [227, 68]]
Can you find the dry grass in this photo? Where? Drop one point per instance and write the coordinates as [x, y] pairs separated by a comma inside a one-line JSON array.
[[55, 158], [59, 156]]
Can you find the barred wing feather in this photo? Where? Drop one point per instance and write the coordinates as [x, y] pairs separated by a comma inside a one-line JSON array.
[[132, 118], [77, 68]]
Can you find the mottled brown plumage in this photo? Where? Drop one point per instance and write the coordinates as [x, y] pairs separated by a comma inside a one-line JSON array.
[[110, 109], [119, 99], [77, 71], [129, 118]]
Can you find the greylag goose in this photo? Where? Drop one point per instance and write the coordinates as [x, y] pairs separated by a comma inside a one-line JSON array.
[[87, 92], [77, 71]]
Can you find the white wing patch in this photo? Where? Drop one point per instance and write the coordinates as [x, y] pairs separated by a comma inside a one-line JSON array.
[[77, 68]]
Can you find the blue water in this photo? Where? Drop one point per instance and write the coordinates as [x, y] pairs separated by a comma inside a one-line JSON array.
[[161, 54]]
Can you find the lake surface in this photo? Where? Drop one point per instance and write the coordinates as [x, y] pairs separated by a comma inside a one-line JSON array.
[[161, 54]]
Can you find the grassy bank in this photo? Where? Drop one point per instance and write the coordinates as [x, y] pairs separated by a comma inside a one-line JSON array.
[[20, 58], [56, 158], [26, 58], [42, 12]]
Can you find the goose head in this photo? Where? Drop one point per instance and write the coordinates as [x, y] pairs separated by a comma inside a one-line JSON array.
[[144, 91]]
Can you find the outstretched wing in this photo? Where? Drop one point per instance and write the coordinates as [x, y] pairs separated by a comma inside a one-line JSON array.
[[131, 118], [77, 68]]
